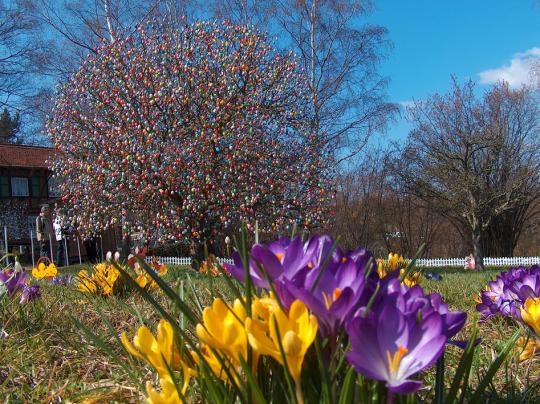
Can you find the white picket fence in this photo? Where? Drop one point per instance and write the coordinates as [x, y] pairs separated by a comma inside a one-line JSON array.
[[184, 260], [423, 262], [488, 261]]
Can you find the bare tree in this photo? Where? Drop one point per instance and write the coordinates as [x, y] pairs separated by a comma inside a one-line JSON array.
[[504, 233], [16, 54], [371, 211], [71, 29], [474, 159], [409, 222], [359, 198], [340, 55]]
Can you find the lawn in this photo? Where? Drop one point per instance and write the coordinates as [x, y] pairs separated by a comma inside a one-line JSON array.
[[46, 357]]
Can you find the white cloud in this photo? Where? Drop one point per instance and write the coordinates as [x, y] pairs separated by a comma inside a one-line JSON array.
[[406, 104], [517, 72]]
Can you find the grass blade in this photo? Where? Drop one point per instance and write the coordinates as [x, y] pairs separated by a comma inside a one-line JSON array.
[[347, 389], [439, 380], [192, 318], [494, 367], [463, 369]]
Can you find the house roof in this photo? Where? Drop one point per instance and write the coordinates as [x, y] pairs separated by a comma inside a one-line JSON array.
[[12, 155]]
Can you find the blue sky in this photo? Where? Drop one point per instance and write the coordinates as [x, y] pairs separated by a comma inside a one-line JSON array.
[[477, 39]]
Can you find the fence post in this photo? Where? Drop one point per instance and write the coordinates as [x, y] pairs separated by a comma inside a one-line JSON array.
[[66, 253], [79, 250], [51, 249], [32, 248]]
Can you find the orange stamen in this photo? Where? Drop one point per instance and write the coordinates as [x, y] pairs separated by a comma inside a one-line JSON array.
[[330, 299], [395, 360]]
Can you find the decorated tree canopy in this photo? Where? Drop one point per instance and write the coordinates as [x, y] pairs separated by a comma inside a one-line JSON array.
[[184, 133]]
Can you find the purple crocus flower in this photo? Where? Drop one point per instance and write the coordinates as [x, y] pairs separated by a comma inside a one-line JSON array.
[[413, 301], [508, 292], [285, 261], [13, 280], [331, 284], [335, 293], [402, 333], [279, 259], [391, 346], [30, 293], [61, 280]]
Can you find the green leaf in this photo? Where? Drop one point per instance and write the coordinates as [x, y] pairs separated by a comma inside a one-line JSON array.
[[347, 389], [494, 367], [259, 397], [324, 373], [463, 369], [439, 380], [234, 289], [106, 348], [146, 296], [190, 315]]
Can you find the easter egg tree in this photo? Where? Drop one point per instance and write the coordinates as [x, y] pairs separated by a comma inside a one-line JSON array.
[[182, 133]]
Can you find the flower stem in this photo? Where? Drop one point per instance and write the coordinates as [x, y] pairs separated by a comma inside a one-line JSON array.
[[299, 396]]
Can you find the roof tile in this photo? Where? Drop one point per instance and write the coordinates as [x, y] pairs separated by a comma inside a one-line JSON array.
[[24, 156]]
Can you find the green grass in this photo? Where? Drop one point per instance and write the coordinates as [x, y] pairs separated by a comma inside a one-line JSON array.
[[45, 355]]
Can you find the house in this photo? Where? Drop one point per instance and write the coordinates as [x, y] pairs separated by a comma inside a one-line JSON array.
[[25, 185]]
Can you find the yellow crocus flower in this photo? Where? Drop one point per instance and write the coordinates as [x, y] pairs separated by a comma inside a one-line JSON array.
[[85, 283], [394, 261], [530, 314], [527, 347], [297, 331], [161, 353], [215, 365], [380, 268], [167, 395], [412, 279], [263, 306], [141, 281], [223, 328], [146, 281], [162, 269]]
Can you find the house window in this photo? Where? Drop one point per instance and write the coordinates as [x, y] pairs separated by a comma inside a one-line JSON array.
[[4, 186], [19, 186], [36, 187]]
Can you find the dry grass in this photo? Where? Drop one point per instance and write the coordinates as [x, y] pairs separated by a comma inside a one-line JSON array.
[[45, 357]]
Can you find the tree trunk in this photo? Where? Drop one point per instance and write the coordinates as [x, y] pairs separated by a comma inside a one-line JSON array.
[[126, 244], [478, 252], [196, 252], [108, 20]]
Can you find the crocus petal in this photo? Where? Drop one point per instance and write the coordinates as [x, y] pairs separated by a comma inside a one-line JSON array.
[[267, 260], [405, 387]]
